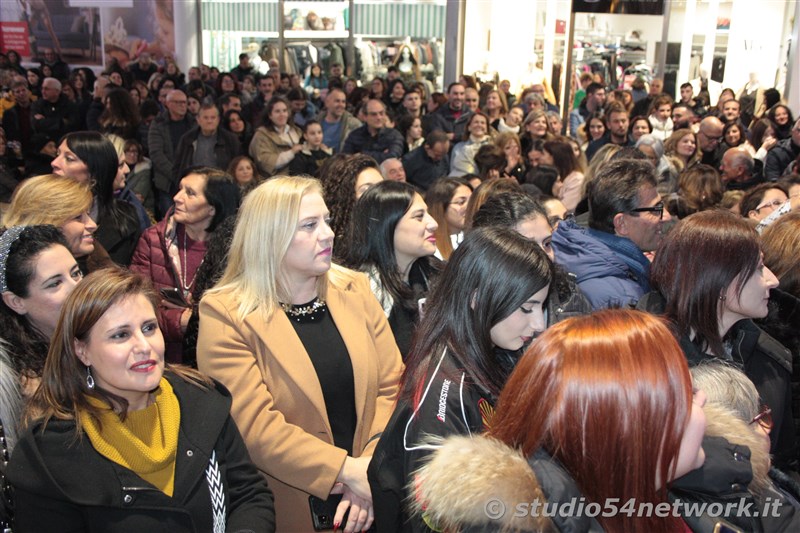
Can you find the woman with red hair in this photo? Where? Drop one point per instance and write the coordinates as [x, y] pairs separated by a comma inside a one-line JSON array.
[[602, 409]]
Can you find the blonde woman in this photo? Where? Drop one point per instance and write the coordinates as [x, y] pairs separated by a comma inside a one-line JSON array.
[[305, 350], [681, 151], [65, 204]]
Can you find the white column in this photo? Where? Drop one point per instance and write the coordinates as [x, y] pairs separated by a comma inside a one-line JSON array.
[[549, 37], [513, 32], [711, 35], [792, 94], [187, 34], [686, 44]]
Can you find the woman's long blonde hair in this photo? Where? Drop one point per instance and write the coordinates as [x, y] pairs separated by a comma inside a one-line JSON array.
[[264, 231]]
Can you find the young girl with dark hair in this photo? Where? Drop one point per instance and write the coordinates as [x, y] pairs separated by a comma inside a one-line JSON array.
[[447, 201], [310, 159], [487, 306], [392, 239], [569, 186], [37, 273]]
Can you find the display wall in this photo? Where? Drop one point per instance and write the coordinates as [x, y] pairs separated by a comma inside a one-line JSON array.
[[729, 38]]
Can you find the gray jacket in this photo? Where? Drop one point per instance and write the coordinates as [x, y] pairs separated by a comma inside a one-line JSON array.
[[161, 152]]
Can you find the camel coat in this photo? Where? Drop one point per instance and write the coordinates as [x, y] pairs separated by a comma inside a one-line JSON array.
[[277, 400]]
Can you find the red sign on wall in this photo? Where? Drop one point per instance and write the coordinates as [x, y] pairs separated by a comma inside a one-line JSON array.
[[14, 36]]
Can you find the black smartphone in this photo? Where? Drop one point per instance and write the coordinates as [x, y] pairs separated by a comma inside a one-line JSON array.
[[323, 511], [174, 296]]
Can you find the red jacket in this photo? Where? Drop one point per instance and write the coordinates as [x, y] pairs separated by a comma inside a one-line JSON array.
[[156, 257]]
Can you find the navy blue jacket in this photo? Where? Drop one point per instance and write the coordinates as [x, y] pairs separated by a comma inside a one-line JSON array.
[[610, 270]]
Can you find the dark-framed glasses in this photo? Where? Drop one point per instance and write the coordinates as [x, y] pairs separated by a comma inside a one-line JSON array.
[[657, 210]]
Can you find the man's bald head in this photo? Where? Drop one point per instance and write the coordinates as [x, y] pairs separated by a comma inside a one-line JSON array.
[[710, 134]]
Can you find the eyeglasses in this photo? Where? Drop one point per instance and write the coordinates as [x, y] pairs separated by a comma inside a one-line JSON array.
[[555, 219], [709, 137], [657, 210], [773, 204], [764, 418]]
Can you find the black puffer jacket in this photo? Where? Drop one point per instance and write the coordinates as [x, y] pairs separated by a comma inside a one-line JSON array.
[[765, 361], [783, 323]]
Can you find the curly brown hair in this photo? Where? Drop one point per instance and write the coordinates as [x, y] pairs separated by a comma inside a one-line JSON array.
[[338, 176]]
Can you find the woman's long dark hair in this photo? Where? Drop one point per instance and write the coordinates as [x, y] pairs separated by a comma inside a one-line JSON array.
[[370, 241], [507, 209], [696, 263], [121, 116], [27, 346], [100, 156], [489, 276]]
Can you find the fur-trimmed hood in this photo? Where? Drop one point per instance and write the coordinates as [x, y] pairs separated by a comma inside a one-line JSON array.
[[470, 478], [723, 422]]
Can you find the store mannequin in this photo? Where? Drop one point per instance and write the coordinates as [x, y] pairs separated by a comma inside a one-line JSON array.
[[407, 64], [255, 59], [750, 97], [536, 76], [706, 87]]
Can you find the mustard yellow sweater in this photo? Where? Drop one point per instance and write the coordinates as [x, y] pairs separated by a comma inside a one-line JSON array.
[[146, 442]]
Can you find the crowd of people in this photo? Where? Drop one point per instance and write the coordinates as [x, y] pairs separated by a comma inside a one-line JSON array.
[[244, 302]]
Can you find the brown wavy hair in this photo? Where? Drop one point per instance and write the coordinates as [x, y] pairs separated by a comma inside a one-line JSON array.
[[63, 393], [781, 244]]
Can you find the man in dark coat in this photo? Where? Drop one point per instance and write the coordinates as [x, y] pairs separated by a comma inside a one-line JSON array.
[[429, 162], [163, 137], [17, 120], [54, 114], [616, 130], [374, 138], [779, 158], [207, 144], [452, 117]]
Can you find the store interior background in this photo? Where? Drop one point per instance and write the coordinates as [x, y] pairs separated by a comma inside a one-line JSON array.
[[511, 39], [757, 40]]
